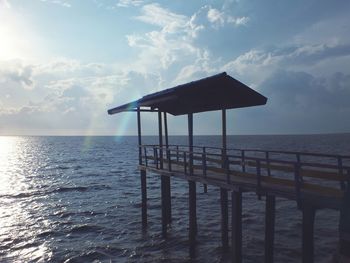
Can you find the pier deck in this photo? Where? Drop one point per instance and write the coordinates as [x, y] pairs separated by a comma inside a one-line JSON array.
[[314, 181], [318, 179]]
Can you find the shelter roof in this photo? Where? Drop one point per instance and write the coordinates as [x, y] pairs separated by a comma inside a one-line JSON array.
[[217, 92]]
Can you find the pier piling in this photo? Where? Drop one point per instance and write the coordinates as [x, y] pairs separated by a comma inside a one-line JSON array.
[[237, 226], [192, 217], [308, 232], [144, 198], [164, 205], [269, 227], [224, 218]]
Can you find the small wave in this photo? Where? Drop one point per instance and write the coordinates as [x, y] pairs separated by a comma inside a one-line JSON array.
[[81, 188], [23, 195], [91, 256], [62, 167], [69, 189], [85, 229], [46, 234], [64, 214]]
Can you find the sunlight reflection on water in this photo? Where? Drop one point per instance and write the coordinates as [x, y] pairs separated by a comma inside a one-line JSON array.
[[18, 225], [8, 154]]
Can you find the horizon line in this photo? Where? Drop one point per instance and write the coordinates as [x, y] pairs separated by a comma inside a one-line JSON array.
[[152, 135]]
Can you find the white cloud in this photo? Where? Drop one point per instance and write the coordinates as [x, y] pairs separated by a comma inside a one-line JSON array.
[[220, 18], [215, 16], [238, 21], [171, 45], [127, 3], [256, 65], [154, 14], [15, 71], [64, 3]]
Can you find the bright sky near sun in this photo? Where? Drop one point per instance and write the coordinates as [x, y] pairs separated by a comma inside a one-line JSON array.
[[63, 63]]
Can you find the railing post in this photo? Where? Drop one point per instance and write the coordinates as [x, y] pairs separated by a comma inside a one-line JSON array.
[[268, 163], [258, 177], [185, 165], [204, 165], [177, 153], [155, 152], [169, 158], [243, 161], [340, 170], [145, 151], [297, 184], [227, 167]]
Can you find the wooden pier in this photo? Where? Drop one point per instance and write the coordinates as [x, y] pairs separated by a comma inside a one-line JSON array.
[[315, 181]]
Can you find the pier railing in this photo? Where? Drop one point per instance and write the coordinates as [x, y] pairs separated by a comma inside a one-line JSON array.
[[294, 174]]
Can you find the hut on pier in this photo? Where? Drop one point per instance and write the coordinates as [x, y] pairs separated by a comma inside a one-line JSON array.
[[232, 170]]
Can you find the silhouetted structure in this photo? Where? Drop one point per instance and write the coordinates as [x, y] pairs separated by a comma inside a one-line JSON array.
[[268, 173]]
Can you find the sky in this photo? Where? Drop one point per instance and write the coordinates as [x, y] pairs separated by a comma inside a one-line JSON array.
[[64, 63]]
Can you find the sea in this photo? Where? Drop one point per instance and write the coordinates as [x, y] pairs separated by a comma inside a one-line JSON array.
[[77, 199]]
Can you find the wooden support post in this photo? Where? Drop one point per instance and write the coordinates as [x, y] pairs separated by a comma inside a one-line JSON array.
[[166, 130], [139, 134], [168, 199], [163, 204], [224, 218], [269, 227], [144, 198], [190, 142], [344, 227], [223, 192], [237, 226], [308, 232], [160, 139], [167, 179], [192, 217], [163, 179], [192, 192]]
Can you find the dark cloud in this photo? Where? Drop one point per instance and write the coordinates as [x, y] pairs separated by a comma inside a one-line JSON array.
[[17, 73], [75, 92], [315, 53], [299, 102]]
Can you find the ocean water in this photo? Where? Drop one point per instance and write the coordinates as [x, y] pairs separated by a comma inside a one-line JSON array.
[[77, 199]]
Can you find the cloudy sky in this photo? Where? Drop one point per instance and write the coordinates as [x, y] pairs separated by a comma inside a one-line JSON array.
[[64, 63]]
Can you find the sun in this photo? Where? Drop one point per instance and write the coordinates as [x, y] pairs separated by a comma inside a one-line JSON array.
[[18, 40]]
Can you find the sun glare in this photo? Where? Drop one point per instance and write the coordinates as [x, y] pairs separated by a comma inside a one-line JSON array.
[[17, 38]]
